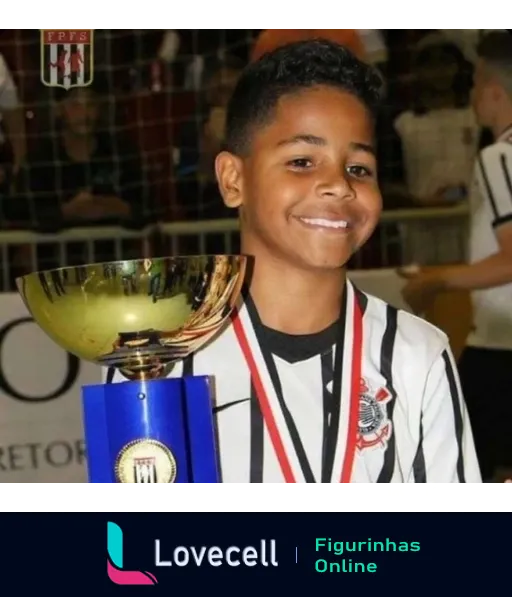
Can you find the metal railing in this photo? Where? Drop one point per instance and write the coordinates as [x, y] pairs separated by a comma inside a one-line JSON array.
[[429, 236], [403, 236]]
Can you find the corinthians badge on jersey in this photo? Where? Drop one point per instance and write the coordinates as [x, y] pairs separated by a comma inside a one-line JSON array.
[[145, 461], [374, 428]]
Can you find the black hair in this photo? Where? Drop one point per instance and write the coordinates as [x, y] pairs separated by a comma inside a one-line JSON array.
[[495, 47], [287, 70], [432, 55]]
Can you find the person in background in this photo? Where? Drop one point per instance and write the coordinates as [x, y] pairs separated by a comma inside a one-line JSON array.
[[200, 141], [467, 40], [486, 364], [12, 129], [169, 46], [439, 138], [80, 175], [83, 175], [197, 53]]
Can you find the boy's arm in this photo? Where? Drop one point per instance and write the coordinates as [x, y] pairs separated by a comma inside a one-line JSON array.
[[446, 446]]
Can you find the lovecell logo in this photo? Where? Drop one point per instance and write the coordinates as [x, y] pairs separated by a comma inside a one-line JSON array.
[[115, 567]]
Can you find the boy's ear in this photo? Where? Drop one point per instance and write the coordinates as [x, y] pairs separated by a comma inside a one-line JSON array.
[[229, 173]]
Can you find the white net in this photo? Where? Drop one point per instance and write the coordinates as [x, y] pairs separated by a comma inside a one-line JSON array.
[[138, 138], [142, 137], [147, 107]]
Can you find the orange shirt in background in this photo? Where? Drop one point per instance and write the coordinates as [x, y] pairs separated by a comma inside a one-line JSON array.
[[271, 39]]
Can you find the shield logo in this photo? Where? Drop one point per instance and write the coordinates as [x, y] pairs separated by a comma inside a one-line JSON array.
[[145, 461], [67, 58]]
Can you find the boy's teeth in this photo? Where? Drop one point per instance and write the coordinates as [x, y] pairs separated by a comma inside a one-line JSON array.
[[326, 223]]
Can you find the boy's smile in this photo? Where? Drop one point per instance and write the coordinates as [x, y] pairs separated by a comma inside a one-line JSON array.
[[308, 187]]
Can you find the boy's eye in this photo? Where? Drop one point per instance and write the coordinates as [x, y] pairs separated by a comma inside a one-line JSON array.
[[359, 171], [300, 163]]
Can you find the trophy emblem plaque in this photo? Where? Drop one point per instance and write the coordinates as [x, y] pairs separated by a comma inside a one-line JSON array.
[[140, 317]]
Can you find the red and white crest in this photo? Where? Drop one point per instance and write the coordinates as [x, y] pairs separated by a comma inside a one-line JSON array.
[[374, 428], [67, 57]]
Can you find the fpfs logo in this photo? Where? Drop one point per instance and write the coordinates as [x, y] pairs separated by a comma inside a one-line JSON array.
[[115, 568]]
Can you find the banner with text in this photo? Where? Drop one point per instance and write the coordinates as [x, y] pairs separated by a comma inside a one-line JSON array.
[[41, 437]]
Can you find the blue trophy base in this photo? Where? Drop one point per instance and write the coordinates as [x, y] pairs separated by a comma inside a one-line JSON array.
[[158, 431]]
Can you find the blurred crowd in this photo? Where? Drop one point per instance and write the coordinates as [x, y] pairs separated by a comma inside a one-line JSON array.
[[137, 145]]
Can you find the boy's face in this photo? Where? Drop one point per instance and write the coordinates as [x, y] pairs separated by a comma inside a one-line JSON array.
[[308, 188]]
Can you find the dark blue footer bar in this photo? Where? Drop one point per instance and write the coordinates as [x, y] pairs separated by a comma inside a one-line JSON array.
[[373, 554]]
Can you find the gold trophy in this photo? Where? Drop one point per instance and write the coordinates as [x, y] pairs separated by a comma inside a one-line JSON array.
[[141, 317]]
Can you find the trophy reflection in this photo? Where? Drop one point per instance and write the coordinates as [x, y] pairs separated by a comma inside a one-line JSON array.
[[141, 317]]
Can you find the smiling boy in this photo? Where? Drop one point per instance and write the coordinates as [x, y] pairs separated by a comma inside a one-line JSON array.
[[315, 380]]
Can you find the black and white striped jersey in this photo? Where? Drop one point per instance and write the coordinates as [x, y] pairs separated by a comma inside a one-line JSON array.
[[394, 415], [491, 207]]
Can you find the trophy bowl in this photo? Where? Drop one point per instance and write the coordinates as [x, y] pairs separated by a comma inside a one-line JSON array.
[[138, 316]]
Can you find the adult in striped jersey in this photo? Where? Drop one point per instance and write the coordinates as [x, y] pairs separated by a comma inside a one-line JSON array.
[[315, 381], [486, 364]]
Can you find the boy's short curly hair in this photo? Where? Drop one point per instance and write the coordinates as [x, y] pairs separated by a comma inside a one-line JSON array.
[[290, 69]]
